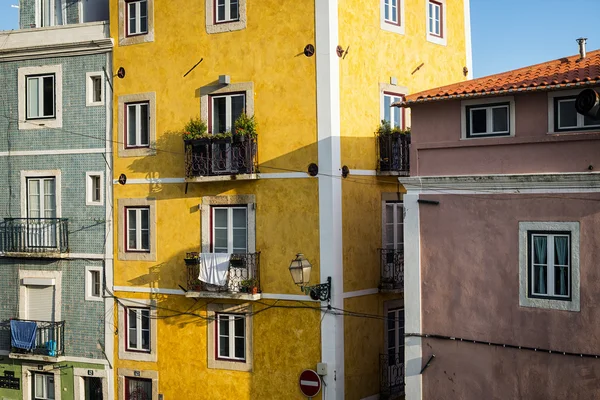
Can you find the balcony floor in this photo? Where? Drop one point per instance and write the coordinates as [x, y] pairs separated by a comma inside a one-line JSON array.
[[221, 178], [223, 295]]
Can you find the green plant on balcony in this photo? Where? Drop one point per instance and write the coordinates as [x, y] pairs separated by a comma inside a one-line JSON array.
[[244, 127], [249, 286], [385, 129], [195, 128], [191, 258]]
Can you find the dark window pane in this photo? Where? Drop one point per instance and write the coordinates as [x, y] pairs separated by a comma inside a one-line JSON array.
[[239, 326], [145, 314], [237, 107], [539, 280], [48, 96], [221, 10], [239, 348], [567, 115], [224, 346], [219, 115], [138, 389], [131, 125], [500, 119], [144, 122], [233, 11], [589, 121], [478, 121], [561, 281], [223, 326], [539, 249], [145, 340]]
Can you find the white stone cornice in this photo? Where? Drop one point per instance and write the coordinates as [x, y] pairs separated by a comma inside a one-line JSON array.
[[491, 184], [57, 50]]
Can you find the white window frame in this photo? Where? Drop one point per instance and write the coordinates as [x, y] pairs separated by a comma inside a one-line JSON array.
[[230, 227], [40, 278], [390, 25], [41, 96], [432, 37], [139, 315], [89, 283], [129, 150], [214, 26], [227, 6], [231, 320], [89, 188], [123, 253], [27, 380], [229, 123], [46, 384], [54, 21], [138, 25], [208, 202], [550, 265], [581, 126], [138, 229], [398, 219], [90, 98], [137, 355], [125, 39], [552, 96], [26, 175], [40, 123], [392, 96], [489, 119], [138, 125], [483, 103], [525, 300], [215, 362]]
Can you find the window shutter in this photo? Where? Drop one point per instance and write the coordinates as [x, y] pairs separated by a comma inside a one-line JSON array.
[[40, 303]]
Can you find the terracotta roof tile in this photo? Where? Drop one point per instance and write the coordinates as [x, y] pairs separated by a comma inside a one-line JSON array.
[[564, 72]]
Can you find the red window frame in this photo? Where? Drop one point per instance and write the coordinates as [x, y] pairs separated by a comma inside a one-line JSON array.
[[217, 357], [441, 5], [125, 126], [128, 394], [127, 331], [126, 233], [398, 12]]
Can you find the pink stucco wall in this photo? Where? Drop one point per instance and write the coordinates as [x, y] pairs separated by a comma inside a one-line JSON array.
[[470, 289], [437, 148]]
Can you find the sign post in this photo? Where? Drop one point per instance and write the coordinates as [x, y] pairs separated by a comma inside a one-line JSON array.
[[310, 383]]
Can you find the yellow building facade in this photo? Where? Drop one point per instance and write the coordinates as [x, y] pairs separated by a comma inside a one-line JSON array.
[[200, 223]]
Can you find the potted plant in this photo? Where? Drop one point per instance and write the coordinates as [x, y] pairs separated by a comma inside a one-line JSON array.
[[244, 127], [191, 258], [194, 129], [388, 139], [245, 285]]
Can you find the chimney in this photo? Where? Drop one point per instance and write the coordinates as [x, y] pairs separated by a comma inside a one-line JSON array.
[[581, 42]]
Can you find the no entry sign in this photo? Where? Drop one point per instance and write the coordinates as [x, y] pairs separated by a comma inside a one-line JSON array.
[[310, 383]]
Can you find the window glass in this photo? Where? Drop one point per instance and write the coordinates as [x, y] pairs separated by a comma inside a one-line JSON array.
[[143, 16], [479, 121], [96, 89], [589, 121], [234, 13], [567, 114], [500, 119], [220, 10], [138, 389], [237, 107], [131, 125], [33, 99], [48, 96], [132, 228]]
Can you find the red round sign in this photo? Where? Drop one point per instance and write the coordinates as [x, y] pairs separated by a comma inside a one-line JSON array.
[[310, 383]]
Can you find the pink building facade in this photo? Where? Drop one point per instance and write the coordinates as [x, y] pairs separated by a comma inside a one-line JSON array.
[[502, 242]]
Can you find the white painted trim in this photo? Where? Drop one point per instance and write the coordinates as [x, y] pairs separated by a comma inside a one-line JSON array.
[[79, 386], [55, 122], [83, 360], [553, 304], [330, 189], [146, 181], [124, 354], [27, 370], [363, 172], [391, 27], [88, 283], [413, 351], [493, 184], [138, 289], [483, 102], [50, 152], [89, 187], [444, 25], [47, 276], [89, 88], [468, 45], [86, 256], [562, 93], [38, 281], [56, 173], [358, 293], [290, 297], [284, 175]]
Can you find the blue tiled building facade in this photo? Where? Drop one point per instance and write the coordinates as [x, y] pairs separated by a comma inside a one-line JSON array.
[[55, 202]]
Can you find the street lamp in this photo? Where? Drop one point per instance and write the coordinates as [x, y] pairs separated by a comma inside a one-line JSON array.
[[300, 269]]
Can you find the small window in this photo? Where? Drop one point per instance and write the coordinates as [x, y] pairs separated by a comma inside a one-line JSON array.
[[137, 123], [94, 189], [435, 22], [549, 265], [95, 91], [225, 110], [227, 11], [231, 336], [93, 283], [40, 97], [566, 117], [394, 115], [394, 226], [138, 329], [138, 389], [138, 229], [488, 120], [230, 229], [391, 11], [137, 17], [43, 386]]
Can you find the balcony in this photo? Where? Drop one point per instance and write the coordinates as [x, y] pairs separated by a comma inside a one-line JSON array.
[[391, 375], [393, 154], [47, 345], [242, 278], [212, 159], [34, 237], [392, 270]]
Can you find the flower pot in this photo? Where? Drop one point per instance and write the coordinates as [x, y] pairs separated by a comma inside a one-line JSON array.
[[254, 290], [244, 289]]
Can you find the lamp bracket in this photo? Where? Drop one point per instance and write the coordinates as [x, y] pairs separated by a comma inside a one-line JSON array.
[[319, 292]]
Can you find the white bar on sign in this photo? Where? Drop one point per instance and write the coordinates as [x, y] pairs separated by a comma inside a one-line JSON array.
[[309, 383]]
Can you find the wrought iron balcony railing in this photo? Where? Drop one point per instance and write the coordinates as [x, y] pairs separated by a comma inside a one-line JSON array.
[[392, 269], [215, 157], [243, 274], [391, 375], [49, 339], [34, 235], [394, 153]]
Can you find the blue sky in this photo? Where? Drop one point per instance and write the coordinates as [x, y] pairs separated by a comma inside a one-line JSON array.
[[506, 34]]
